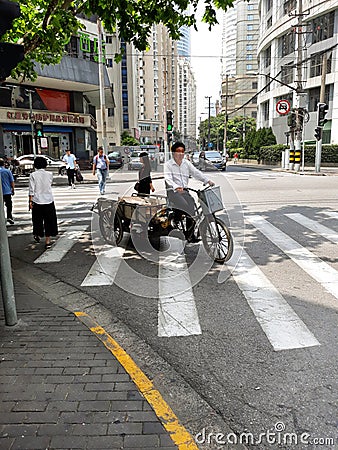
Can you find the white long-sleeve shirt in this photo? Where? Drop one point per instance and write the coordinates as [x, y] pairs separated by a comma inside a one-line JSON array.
[[40, 187], [178, 176]]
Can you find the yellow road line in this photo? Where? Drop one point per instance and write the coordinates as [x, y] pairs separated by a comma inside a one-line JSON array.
[[180, 436]]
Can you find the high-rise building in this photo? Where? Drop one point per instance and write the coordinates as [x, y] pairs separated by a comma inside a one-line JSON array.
[[239, 58]]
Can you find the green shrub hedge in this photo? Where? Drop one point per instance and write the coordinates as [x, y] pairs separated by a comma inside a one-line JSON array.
[[273, 153]]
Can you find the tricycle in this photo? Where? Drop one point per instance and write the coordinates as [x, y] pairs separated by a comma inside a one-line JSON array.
[[153, 216]]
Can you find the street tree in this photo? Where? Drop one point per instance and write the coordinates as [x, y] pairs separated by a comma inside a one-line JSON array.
[[126, 139], [45, 27]]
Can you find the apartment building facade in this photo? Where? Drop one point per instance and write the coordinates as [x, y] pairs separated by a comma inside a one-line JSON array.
[[278, 57]]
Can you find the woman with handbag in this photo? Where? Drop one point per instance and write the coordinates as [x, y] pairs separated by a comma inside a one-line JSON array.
[[145, 184]]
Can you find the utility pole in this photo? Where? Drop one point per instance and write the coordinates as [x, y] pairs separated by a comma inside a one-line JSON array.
[[321, 100], [299, 125], [101, 86], [208, 97], [226, 114]]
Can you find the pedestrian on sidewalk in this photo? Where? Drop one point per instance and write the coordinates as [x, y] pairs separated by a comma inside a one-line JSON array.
[[7, 182], [41, 202], [145, 184], [71, 166], [235, 158], [101, 165]]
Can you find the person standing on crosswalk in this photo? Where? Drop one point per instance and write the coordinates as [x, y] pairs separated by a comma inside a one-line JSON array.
[[41, 202], [101, 166], [7, 182], [71, 165]]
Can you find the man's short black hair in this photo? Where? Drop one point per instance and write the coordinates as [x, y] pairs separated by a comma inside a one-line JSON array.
[[40, 162], [176, 146]]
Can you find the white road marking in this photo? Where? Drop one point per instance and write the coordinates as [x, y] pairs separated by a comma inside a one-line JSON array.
[[310, 263], [312, 225], [110, 257], [332, 214], [177, 315], [282, 326], [62, 245]]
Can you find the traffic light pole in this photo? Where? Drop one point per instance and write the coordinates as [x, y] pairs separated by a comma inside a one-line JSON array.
[[322, 99], [31, 116]]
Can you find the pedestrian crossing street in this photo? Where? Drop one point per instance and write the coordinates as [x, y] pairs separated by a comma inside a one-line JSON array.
[[178, 314]]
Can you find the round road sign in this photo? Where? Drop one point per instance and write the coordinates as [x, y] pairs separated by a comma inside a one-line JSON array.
[[283, 107]]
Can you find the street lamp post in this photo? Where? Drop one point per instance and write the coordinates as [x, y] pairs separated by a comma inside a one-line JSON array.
[[209, 98]]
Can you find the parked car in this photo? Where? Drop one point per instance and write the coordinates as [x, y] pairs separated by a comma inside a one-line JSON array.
[[195, 157], [211, 159], [134, 161], [115, 160], [26, 164]]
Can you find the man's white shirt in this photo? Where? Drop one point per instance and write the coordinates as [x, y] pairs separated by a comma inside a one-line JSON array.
[[178, 176]]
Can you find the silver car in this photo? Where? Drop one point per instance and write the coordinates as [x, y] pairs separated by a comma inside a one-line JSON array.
[[134, 161]]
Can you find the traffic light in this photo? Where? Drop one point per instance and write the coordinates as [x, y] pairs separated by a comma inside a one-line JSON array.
[[292, 119], [318, 133], [38, 128], [169, 120], [321, 113], [10, 54]]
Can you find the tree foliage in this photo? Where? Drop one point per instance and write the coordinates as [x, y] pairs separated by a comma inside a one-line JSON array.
[[45, 26], [126, 139]]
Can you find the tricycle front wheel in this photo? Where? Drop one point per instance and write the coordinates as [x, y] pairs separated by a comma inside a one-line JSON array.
[[111, 226]]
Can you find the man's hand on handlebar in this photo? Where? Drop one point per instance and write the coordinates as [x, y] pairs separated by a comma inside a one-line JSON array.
[[211, 183]]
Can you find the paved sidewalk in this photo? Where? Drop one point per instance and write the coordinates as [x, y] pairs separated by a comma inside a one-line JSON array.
[[60, 388]]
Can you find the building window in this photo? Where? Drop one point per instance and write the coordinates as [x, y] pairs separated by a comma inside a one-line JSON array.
[[314, 96], [249, 27], [254, 101], [254, 85], [109, 62], [322, 27], [249, 56], [109, 39], [269, 23], [287, 44], [316, 64], [265, 107], [111, 112], [287, 74], [254, 114], [250, 17], [249, 47], [268, 5], [249, 37], [250, 7], [267, 57], [289, 5], [249, 67]]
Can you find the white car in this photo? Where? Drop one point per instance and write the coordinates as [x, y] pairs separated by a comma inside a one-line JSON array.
[[26, 164]]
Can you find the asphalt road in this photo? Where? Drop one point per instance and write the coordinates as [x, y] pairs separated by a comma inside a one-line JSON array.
[[255, 339]]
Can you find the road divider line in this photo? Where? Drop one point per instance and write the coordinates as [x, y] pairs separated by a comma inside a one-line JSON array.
[[310, 263], [332, 214], [177, 432], [177, 314], [62, 245], [314, 226], [282, 326]]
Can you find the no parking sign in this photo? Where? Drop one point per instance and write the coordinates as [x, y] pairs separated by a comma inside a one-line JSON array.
[[283, 107]]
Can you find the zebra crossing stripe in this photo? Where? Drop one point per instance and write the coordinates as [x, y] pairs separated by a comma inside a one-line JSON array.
[[62, 245], [282, 326], [314, 226], [310, 263], [332, 214], [177, 314], [105, 268]]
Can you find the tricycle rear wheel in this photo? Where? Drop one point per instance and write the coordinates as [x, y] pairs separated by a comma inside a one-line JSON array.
[[111, 226]]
